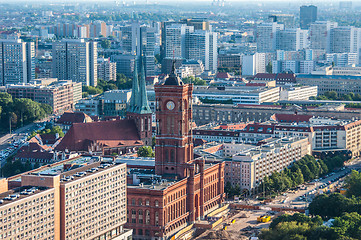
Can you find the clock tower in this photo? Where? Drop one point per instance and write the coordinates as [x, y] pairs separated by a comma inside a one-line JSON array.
[[174, 145]]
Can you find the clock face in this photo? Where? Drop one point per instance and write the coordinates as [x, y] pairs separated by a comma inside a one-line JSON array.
[[170, 105]]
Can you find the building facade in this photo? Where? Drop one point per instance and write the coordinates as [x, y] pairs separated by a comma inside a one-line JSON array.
[[61, 95], [248, 168], [180, 189], [17, 63], [76, 60], [85, 202]]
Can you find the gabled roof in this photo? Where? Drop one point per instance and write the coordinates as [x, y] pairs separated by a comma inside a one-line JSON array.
[[291, 118], [223, 75], [106, 133], [69, 118]]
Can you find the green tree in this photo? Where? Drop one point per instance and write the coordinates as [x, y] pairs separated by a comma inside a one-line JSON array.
[[269, 67], [353, 184], [145, 151], [105, 43], [307, 174], [194, 80]]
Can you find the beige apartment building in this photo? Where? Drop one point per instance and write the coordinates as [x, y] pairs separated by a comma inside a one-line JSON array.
[[76, 199], [250, 166], [60, 95]]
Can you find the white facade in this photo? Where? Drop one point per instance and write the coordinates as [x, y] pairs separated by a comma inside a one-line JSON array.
[[239, 95], [175, 42], [253, 64], [267, 36], [298, 93], [345, 39], [249, 167], [320, 35], [202, 45], [76, 60], [342, 59], [16, 61], [293, 39]]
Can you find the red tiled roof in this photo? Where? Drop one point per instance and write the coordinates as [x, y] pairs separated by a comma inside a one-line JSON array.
[[291, 118], [223, 75], [259, 128], [73, 117], [106, 133], [265, 76]]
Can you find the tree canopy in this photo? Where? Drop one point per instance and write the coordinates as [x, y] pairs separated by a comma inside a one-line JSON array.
[[20, 111], [145, 151]]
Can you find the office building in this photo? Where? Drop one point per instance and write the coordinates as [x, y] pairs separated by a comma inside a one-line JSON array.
[[140, 40], [320, 35], [124, 64], [255, 63], [17, 63], [202, 45], [79, 198], [346, 59], [226, 113], [286, 19], [342, 84], [292, 39], [267, 36], [61, 95], [308, 15], [298, 93], [107, 70], [198, 23], [76, 60], [230, 61], [239, 95], [175, 42], [345, 39]]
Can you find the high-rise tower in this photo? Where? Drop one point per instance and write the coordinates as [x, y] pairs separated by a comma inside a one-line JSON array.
[[174, 146], [139, 109]]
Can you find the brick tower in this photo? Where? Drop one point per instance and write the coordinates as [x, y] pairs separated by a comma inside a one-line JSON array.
[[139, 109], [174, 146]]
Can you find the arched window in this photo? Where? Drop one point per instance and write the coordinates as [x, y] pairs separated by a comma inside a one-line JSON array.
[[134, 213], [140, 216], [147, 202], [156, 217], [133, 201], [140, 202], [156, 203], [147, 217]]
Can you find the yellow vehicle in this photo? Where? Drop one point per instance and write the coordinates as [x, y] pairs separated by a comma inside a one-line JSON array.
[[264, 218], [233, 221]]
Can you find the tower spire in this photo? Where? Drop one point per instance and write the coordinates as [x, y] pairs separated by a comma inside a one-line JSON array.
[[143, 105], [135, 89]]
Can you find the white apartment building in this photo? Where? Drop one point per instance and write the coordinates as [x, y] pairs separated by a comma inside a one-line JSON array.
[[292, 39], [256, 63], [239, 95], [202, 45], [107, 70], [16, 61], [298, 93], [175, 42], [343, 59], [267, 36], [250, 166], [320, 35], [76, 60], [345, 39]]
